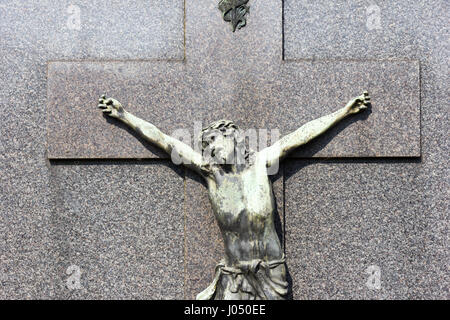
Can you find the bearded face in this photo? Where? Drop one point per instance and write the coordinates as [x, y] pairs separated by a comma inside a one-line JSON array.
[[222, 143]]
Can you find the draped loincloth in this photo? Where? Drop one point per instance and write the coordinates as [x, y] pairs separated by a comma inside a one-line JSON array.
[[248, 280]]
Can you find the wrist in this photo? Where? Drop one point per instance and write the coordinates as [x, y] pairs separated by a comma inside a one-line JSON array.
[[122, 115], [347, 110]]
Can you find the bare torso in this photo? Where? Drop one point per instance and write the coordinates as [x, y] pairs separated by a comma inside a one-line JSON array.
[[242, 200], [244, 205]]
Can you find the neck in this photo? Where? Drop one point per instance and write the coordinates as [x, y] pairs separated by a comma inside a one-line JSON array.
[[228, 168]]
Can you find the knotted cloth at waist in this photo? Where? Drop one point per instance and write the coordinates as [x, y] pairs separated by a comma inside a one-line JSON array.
[[256, 272]]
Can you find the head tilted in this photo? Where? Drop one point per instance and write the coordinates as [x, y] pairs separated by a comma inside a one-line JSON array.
[[222, 143]]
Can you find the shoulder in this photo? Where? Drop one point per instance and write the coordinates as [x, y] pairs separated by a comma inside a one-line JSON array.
[[260, 157]]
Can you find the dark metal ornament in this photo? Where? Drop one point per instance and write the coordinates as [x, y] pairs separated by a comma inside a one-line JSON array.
[[234, 11]]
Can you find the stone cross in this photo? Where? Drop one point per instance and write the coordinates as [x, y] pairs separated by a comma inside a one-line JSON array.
[[243, 76]]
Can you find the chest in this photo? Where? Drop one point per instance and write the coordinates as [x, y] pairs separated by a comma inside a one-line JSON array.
[[247, 193]]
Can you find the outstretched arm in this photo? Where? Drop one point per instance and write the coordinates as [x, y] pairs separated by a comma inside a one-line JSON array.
[[312, 129], [114, 109]]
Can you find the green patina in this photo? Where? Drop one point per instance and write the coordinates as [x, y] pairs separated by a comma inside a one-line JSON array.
[[234, 11], [241, 196]]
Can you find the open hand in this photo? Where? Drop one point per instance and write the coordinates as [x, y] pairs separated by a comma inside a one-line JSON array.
[[111, 107], [359, 103]]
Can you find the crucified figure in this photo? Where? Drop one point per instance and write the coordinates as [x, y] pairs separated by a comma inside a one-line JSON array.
[[241, 196]]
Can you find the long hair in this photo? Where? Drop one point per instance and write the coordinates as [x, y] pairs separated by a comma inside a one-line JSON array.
[[241, 152]]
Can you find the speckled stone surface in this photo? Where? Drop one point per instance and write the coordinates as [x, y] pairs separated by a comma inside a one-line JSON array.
[[344, 216], [399, 218], [243, 78], [34, 33], [97, 29], [361, 29], [24, 208], [293, 95], [204, 244], [122, 224]]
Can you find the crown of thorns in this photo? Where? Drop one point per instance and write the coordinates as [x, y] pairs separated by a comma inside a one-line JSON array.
[[220, 125]]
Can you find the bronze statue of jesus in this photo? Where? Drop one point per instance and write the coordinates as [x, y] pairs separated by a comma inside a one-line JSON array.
[[241, 196]]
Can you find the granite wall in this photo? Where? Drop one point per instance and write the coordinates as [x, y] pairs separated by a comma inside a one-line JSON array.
[[142, 229]]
